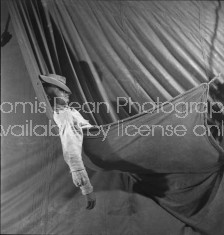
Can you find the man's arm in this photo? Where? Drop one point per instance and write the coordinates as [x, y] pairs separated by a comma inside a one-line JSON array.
[[81, 179], [72, 139]]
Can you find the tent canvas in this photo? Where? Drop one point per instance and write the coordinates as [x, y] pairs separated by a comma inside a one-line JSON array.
[[144, 50]]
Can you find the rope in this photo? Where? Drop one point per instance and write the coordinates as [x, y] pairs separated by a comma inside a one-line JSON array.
[[213, 79]]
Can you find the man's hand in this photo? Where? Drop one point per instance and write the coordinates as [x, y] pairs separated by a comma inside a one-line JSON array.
[[90, 200], [80, 179]]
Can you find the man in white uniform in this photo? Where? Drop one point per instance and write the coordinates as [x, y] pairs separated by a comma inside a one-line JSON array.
[[70, 123]]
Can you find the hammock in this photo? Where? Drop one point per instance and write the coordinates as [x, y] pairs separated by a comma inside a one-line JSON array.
[[177, 161], [176, 137]]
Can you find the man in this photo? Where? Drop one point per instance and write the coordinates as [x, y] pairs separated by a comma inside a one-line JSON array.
[[70, 123]]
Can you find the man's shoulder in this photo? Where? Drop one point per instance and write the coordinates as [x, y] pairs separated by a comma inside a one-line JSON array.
[[63, 114]]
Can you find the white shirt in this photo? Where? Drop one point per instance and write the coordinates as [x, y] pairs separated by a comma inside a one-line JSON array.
[[70, 123]]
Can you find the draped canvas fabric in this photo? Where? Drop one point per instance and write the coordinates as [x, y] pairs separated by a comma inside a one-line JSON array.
[[111, 49], [178, 165], [118, 53]]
